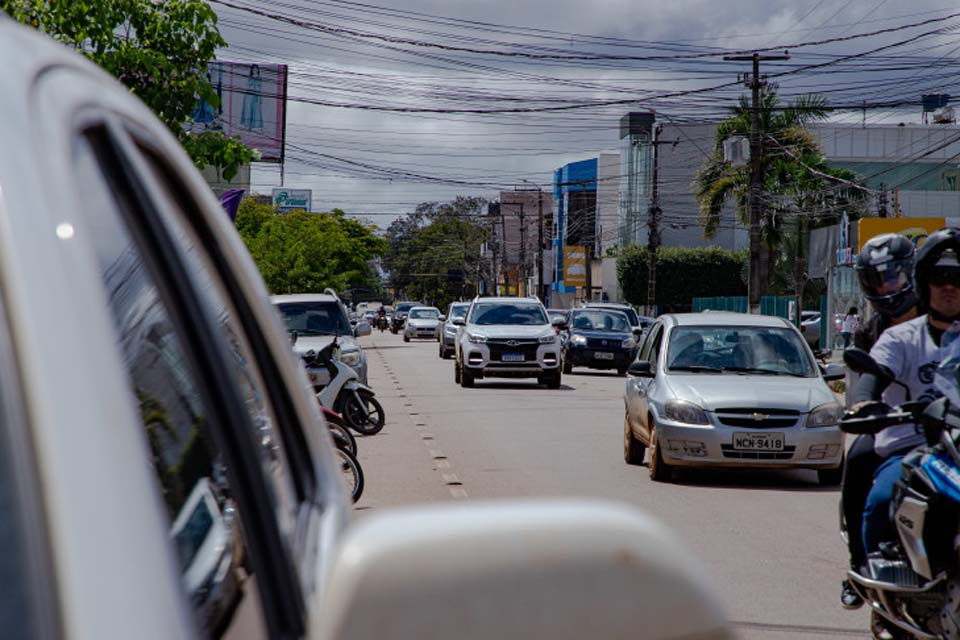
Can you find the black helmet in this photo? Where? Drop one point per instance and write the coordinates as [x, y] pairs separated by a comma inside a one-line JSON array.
[[940, 252], [885, 270]]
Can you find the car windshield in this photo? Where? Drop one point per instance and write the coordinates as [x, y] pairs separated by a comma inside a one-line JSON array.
[[738, 349], [403, 307], [556, 315], [458, 311], [488, 313], [424, 314], [600, 320], [322, 318], [631, 314]]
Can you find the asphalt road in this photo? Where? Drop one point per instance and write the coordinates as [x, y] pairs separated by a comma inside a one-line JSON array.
[[767, 540]]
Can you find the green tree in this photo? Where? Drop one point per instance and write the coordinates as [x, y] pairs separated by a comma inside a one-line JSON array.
[[800, 189], [308, 252], [682, 274], [434, 253], [159, 49]]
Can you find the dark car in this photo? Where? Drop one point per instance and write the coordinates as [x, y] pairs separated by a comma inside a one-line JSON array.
[[400, 316], [599, 339]]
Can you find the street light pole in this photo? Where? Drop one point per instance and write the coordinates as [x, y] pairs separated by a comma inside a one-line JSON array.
[[757, 269]]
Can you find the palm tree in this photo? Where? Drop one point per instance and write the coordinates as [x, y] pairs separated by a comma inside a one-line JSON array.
[[798, 185]]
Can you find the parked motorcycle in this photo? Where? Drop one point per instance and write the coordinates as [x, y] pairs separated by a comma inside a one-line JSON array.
[[345, 394], [913, 583], [338, 428]]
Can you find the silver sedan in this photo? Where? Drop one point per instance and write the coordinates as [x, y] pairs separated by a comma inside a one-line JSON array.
[[731, 390]]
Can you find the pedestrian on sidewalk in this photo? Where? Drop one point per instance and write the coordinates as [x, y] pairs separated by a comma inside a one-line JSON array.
[[850, 323]]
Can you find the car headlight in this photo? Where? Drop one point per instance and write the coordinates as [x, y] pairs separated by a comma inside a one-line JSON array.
[[350, 358], [629, 343], [450, 329], [548, 339], [578, 339], [686, 412], [476, 338], [826, 415]]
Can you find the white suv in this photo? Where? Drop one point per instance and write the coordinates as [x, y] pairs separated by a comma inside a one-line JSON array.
[[507, 338]]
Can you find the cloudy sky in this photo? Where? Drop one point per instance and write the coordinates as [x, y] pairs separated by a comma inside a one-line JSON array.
[[396, 103]]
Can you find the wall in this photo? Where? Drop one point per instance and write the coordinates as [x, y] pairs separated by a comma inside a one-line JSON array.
[[608, 202]]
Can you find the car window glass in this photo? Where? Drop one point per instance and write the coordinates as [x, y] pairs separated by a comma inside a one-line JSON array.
[[771, 350], [655, 347], [494, 313], [183, 448], [246, 374], [458, 311], [319, 318], [648, 343]]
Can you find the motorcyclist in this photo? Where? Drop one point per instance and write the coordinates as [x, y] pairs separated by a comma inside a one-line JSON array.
[[910, 353], [885, 272], [382, 318]]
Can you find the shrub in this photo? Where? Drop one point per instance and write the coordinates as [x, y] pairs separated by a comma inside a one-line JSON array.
[[682, 274]]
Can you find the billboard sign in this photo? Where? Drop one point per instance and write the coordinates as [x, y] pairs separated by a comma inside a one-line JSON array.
[[917, 229], [253, 101], [290, 199], [575, 266]]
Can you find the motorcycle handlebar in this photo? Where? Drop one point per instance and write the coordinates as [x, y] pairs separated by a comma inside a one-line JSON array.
[[875, 424]]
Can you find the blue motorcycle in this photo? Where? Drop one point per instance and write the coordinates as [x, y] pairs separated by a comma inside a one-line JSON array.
[[913, 583]]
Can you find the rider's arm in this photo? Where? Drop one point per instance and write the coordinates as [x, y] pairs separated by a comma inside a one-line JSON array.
[[869, 388]]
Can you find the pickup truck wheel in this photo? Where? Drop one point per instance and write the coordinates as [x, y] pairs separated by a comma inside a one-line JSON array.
[[456, 372], [466, 379]]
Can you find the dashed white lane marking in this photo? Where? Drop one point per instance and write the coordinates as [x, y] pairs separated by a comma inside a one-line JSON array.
[[458, 492], [443, 464], [436, 454], [450, 478]]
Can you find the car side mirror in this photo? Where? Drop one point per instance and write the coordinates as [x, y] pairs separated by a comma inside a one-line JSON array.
[[362, 329], [833, 371], [523, 577], [638, 332], [459, 322], [641, 369]]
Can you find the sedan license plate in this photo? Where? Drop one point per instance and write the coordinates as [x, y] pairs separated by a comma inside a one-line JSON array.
[[602, 355], [512, 357], [743, 441]]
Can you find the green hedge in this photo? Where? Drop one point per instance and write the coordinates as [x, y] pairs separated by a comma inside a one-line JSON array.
[[682, 274]]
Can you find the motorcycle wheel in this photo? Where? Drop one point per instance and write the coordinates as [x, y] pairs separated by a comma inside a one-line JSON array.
[[366, 419], [339, 430], [351, 472]]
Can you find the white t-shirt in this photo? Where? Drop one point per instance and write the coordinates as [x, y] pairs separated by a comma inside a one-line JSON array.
[[908, 350], [850, 323]]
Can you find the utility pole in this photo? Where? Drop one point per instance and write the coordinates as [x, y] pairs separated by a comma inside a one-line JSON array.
[[522, 271], [757, 269], [653, 237], [540, 292], [882, 201], [503, 252]]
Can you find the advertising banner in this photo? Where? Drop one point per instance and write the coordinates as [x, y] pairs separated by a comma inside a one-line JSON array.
[[290, 199], [575, 266], [253, 99], [917, 229]]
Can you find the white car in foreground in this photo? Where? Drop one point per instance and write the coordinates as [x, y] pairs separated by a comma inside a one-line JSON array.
[[423, 323], [140, 355], [731, 390]]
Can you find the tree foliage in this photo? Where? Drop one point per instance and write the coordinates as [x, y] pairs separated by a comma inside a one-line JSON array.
[[800, 189], [159, 49], [434, 253], [300, 252], [682, 274]]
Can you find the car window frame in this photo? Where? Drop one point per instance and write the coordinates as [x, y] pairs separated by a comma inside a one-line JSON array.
[[281, 597], [652, 334]]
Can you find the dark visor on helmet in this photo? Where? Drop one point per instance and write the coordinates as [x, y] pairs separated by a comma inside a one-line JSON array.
[[886, 278], [942, 276]]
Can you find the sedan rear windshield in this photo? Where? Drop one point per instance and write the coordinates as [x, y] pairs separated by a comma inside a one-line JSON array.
[[490, 313], [735, 349], [315, 318]]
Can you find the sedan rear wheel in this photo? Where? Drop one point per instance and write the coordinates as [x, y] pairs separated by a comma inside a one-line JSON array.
[[660, 471], [633, 449]]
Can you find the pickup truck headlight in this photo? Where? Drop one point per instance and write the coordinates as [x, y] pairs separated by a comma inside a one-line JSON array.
[[578, 340], [476, 338], [350, 358], [686, 412], [826, 415]]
